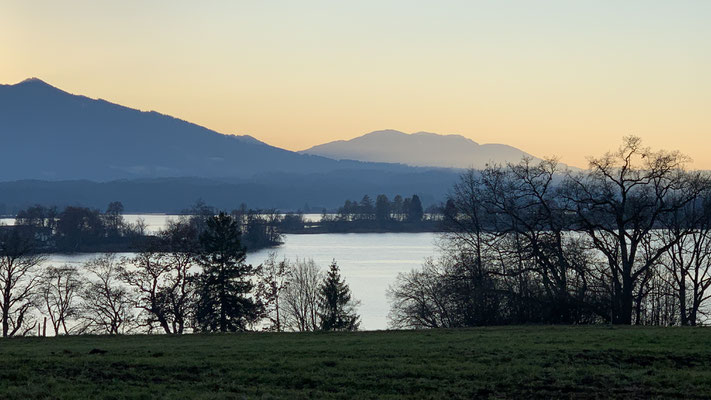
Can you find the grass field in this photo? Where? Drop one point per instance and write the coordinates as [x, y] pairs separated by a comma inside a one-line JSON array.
[[506, 362]]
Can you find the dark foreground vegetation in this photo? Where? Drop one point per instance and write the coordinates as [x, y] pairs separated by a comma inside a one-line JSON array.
[[508, 362], [193, 278], [626, 242]]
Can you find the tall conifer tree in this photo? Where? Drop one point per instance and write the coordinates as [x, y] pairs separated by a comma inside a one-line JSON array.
[[224, 304], [337, 308]]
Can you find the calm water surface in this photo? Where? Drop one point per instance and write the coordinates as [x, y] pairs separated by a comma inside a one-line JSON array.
[[369, 262]]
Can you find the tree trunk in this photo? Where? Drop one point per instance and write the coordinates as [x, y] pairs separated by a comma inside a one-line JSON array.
[[223, 296], [627, 301], [682, 303], [5, 324]]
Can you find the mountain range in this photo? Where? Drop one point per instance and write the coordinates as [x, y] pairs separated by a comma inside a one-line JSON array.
[[419, 149], [47, 133], [60, 148]]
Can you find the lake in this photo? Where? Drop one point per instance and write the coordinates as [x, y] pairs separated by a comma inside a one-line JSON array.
[[369, 262]]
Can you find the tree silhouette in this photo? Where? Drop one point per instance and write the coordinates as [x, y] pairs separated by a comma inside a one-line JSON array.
[[382, 208], [367, 210], [414, 212], [337, 308], [224, 284], [18, 281], [619, 203], [114, 220]]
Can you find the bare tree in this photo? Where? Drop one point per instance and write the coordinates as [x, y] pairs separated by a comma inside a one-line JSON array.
[[466, 220], [107, 306], [448, 292], [419, 299], [300, 298], [182, 248], [148, 274], [113, 218], [523, 200], [507, 223], [18, 281], [59, 289], [620, 201], [162, 282], [687, 262], [138, 228], [529, 244], [273, 280]]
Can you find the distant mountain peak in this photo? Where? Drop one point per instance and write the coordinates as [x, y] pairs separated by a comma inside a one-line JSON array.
[[453, 136], [33, 81], [384, 132], [47, 133], [250, 139], [403, 135], [419, 149], [33, 85]]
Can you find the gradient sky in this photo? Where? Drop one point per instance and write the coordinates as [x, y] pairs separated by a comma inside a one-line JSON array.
[[566, 78]]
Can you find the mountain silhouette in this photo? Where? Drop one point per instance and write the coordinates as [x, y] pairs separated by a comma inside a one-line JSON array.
[[49, 134], [61, 149], [419, 149]]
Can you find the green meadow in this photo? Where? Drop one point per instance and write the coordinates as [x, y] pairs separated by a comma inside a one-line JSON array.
[[497, 362]]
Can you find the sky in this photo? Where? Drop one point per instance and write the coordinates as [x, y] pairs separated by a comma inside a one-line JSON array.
[[564, 78]]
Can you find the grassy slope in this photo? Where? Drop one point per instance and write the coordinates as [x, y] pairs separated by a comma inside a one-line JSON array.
[[504, 362]]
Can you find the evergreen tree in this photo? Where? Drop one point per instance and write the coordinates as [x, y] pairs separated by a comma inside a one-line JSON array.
[[406, 209], [450, 212], [414, 212], [397, 207], [382, 208], [367, 210], [337, 308], [224, 284]]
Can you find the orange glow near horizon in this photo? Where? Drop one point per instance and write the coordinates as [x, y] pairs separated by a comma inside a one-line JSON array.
[[552, 78]]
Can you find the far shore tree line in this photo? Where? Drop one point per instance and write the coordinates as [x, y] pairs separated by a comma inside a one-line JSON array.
[[382, 209], [382, 215], [82, 229], [627, 241], [193, 278], [76, 227]]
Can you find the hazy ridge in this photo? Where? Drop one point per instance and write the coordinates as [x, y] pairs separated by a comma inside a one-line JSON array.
[[422, 149], [50, 134], [59, 148]]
